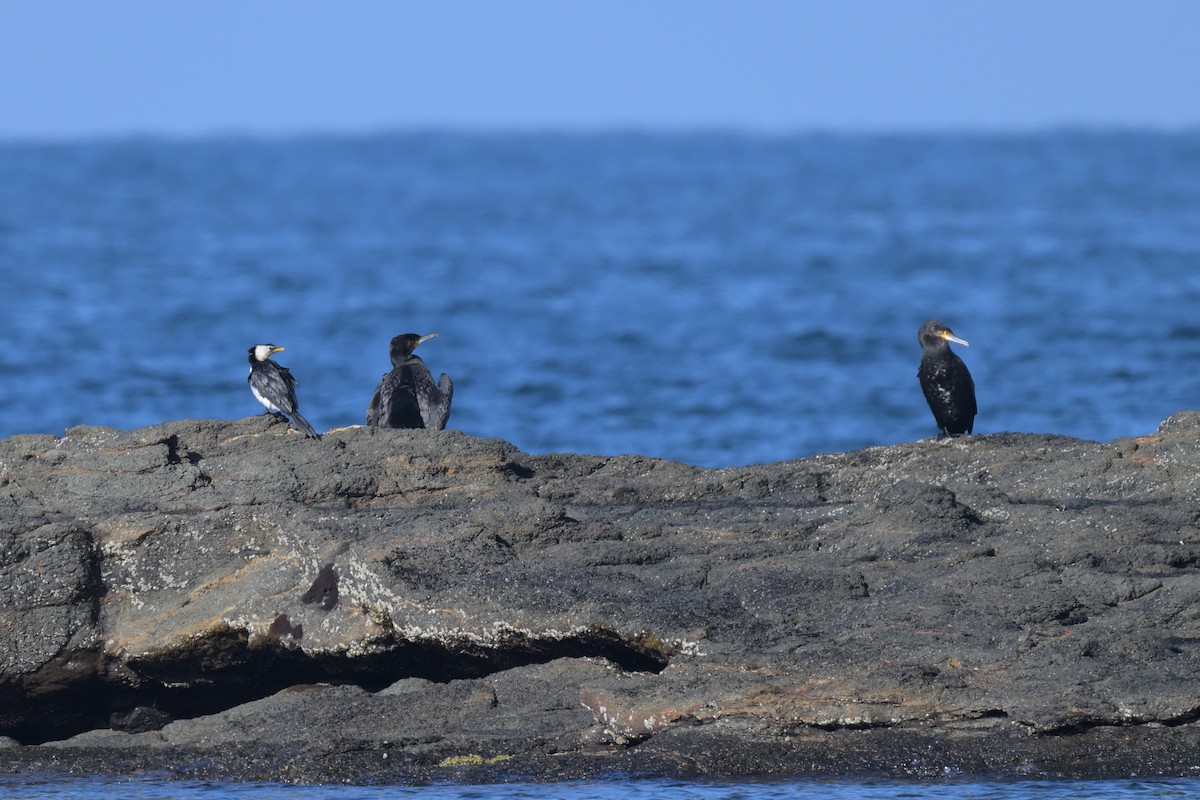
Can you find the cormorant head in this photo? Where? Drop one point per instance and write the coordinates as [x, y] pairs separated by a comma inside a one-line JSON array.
[[403, 345], [935, 334], [261, 352]]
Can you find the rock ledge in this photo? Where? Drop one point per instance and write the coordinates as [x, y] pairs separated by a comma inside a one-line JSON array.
[[230, 600]]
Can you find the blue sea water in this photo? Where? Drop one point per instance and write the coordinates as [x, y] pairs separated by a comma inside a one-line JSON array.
[[147, 789], [718, 299], [715, 298]]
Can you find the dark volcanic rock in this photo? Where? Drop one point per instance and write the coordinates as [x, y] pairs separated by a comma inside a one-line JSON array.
[[228, 599]]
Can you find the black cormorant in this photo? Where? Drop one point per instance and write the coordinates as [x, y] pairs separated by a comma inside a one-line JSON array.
[[275, 387], [945, 380], [407, 397]]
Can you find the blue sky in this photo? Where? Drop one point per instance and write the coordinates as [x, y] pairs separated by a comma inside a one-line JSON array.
[[268, 66]]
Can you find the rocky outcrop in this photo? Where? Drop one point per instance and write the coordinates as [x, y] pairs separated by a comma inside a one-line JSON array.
[[230, 599]]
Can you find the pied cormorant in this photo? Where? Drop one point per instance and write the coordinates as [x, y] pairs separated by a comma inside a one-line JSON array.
[[275, 387]]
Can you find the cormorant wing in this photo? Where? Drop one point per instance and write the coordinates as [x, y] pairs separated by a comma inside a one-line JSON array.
[[434, 401], [374, 417], [971, 386], [276, 384]]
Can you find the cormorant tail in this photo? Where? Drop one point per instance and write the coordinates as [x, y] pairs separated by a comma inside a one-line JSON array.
[[301, 424]]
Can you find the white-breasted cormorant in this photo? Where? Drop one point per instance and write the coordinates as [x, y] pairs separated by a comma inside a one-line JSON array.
[[407, 397], [275, 387], [945, 380]]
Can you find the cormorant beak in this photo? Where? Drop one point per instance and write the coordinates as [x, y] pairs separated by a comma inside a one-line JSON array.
[[950, 337], [425, 338], [274, 350]]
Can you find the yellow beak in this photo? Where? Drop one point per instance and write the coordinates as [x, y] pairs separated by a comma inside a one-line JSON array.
[[950, 337]]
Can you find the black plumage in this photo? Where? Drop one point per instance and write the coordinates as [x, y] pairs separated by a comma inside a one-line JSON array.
[[407, 397], [275, 387], [945, 380]]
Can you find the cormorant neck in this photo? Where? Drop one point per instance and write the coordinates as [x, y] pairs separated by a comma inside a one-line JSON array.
[[405, 359]]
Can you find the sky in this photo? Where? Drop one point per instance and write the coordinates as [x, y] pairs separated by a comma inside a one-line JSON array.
[[194, 67]]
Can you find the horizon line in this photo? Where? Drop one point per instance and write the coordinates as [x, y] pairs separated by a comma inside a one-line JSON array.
[[259, 133]]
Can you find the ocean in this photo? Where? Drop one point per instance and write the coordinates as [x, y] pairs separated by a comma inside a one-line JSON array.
[[38, 788], [719, 299], [714, 298]]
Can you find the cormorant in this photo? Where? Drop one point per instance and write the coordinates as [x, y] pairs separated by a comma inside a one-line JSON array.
[[407, 397], [945, 380], [275, 387]]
